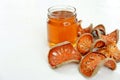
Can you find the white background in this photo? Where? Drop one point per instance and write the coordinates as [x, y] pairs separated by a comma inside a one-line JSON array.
[[23, 38]]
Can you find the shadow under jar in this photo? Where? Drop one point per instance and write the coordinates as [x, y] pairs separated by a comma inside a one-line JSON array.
[[62, 25]]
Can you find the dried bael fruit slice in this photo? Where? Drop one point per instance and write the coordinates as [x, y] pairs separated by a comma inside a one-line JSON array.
[[114, 52], [111, 37], [101, 28], [99, 43], [88, 29], [110, 63], [96, 34], [98, 30], [84, 43], [111, 51], [84, 30], [63, 53], [90, 63]]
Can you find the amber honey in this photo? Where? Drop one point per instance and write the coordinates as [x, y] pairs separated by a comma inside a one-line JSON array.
[[62, 26]]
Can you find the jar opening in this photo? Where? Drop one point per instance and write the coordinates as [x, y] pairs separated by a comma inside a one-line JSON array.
[[61, 11]]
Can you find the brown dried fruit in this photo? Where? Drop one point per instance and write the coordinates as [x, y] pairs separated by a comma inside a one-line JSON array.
[[101, 28], [84, 30], [98, 30], [84, 43], [90, 63], [111, 37], [99, 43], [111, 64], [63, 53], [111, 51]]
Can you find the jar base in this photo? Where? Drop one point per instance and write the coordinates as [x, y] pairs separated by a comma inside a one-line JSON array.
[[53, 44]]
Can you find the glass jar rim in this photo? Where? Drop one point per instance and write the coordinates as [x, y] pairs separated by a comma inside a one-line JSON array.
[[62, 7]]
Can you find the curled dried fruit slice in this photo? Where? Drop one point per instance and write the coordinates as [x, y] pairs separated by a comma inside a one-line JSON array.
[[84, 30], [84, 43], [96, 34], [98, 30], [63, 53], [90, 63], [99, 43], [111, 37], [110, 63], [101, 28], [88, 29], [114, 52], [111, 51]]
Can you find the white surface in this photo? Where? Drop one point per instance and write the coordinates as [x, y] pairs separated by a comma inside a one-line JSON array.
[[23, 38]]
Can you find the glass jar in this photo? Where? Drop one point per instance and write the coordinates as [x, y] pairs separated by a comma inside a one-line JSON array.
[[62, 24]]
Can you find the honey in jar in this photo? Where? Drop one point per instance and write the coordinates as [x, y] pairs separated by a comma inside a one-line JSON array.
[[62, 25]]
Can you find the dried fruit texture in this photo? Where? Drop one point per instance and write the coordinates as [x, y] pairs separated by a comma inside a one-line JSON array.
[[111, 51], [63, 53], [98, 30], [88, 29], [101, 28], [90, 63], [84, 30], [96, 34], [96, 47], [99, 43], [111, 37], [111, 64], [84, 43]]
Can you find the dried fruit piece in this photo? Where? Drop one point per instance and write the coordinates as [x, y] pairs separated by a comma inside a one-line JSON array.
[[111, 37], [84, 30], [63, 53], [98, 30], [111, 51], [90, 63], [110, 63], [101, 28], [96, 34], [99, 43], [88, 29], [84, 43], [114, 51]]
